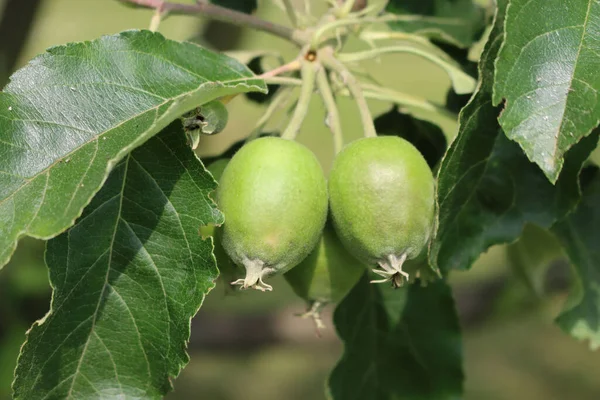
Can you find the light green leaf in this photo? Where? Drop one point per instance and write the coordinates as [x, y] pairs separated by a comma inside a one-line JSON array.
[[462, 83], [456, 22], [580, 236], [69, 116], [547, 73], [402, 344], [127, 278]]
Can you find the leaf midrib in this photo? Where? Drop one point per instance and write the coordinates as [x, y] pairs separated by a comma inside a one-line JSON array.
[[105, 285], [108, 131]]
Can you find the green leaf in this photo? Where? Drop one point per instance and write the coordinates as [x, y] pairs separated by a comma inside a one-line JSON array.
[[69, 116], [402, 344], [580, 236], [457, 22], [246, 6], [127, 278], [547, 73], [462, 82], [487, 188]]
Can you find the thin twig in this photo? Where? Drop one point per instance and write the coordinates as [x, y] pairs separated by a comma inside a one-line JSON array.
[[219, 13]]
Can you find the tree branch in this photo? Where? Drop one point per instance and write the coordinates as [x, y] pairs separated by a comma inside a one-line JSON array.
[[223, 14]]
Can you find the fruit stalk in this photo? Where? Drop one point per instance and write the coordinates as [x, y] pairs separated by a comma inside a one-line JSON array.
[[280, 100], [333, 115], [291, 12], [306, 91], [353, 85]]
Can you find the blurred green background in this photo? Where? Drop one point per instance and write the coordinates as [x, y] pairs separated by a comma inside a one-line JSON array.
[[250, 345]]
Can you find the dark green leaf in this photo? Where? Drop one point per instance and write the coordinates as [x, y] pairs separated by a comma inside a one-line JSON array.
[[580, 235], [428, 138], [400, 344], [532, 255], [246, 6], [457, 22], [456, 102], [547, 73], [69, 116], [487, 188], [255, 66], [127, 278]]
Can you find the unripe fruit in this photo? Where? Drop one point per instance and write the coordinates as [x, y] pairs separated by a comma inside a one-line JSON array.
[[382, 203], [326, 275], [274, 197]]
